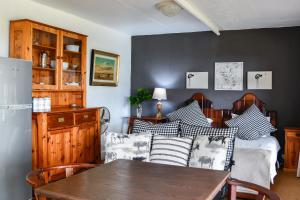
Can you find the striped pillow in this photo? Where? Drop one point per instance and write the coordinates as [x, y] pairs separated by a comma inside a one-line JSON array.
[[171, 150]]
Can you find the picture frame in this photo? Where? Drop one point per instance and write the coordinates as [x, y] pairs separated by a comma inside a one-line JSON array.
[[259, 80], [104, 69], [196, 80], [229, 76]]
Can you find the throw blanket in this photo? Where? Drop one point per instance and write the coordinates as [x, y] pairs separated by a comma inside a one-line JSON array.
[[251, 165]]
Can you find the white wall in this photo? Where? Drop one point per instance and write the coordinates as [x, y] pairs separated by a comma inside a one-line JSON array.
[[99, 37]]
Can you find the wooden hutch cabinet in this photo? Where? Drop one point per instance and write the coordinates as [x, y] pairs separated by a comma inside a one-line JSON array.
[[64, 134]]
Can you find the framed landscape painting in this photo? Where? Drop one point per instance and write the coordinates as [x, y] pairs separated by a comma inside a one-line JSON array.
[[104, 68]]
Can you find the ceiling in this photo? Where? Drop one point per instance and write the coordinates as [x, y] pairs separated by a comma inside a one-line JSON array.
[[139, 17]]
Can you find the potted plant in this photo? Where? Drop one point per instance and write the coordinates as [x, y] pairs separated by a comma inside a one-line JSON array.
[[141, 96]]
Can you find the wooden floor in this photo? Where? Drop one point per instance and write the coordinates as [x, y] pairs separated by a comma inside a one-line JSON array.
[[287, 186]]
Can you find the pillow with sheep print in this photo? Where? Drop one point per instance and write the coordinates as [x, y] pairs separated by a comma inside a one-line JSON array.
[[167, 129], [194, 131], [252, 124], [129, 147], [209, 152], [190, 114]]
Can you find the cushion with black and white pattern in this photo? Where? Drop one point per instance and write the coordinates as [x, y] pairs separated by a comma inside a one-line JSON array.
[[192, 131], [130, 147], [190, 114], [252, 124], [170, 128], [171, 150], [209, 152]]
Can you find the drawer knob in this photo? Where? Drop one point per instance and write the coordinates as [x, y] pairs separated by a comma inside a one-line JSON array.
[[61, 120], [85, 116]]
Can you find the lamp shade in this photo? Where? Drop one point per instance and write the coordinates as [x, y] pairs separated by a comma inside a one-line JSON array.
[[160, 94]]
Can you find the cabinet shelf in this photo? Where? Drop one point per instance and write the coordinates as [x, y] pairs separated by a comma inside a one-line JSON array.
[[72, 52], [43, 69], [71, 71], [43, 47]]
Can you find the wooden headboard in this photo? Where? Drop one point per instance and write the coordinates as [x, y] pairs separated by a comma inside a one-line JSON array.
[[239, 106]]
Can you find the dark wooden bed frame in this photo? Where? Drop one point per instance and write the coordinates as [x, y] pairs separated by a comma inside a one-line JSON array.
[[219, 116]]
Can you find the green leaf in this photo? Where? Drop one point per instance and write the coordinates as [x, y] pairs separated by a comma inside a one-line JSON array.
[[141, 96]]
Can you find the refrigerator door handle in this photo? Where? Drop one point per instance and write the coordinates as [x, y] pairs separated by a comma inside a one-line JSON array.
[[16, 107]]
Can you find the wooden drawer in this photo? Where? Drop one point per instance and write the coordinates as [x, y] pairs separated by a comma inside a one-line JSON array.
[[84, 117], [62, 120], [295, 134]]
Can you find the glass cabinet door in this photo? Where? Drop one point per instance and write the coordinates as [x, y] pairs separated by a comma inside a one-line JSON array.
[[72, 65], [44, 57]]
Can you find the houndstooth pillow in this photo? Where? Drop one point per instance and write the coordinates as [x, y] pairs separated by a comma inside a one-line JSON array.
[[252, 124], [190, 114], [193, 131], [167, 129]]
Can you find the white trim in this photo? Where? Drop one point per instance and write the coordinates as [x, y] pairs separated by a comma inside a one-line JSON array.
[[196, 12]]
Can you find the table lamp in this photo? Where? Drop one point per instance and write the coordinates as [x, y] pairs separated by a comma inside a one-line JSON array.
[[159, 94]]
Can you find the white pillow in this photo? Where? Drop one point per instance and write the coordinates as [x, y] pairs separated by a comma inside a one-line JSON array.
[[209, 152], [210, 121], [129, 147]]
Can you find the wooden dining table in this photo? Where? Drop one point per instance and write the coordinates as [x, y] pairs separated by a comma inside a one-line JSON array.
[[136, 180]]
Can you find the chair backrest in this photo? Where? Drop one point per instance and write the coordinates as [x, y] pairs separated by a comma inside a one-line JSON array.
[[39, 177], [262, 192]]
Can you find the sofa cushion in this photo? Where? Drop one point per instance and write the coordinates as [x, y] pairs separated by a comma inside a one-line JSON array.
[[130, 147], [209, 152], [170, 128], [171, 150], [193, 131]]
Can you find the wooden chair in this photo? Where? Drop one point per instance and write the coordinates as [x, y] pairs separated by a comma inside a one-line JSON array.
[[39, 177], [298, 170], [262, 192]]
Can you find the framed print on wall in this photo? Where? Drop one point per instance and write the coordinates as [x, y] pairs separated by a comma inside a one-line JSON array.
[[260, 80], [104, 68], [229, 76], [197, 80]]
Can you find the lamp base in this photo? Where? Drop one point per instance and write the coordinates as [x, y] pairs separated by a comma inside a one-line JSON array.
[[159, 109]]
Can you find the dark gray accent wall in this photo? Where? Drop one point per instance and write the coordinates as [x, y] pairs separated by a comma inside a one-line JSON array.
[[163, 60]]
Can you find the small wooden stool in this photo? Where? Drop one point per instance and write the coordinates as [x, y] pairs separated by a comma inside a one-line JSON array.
[[298, 170]]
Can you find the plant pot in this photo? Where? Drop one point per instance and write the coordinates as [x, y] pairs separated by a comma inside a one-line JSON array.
[[139, 111]]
